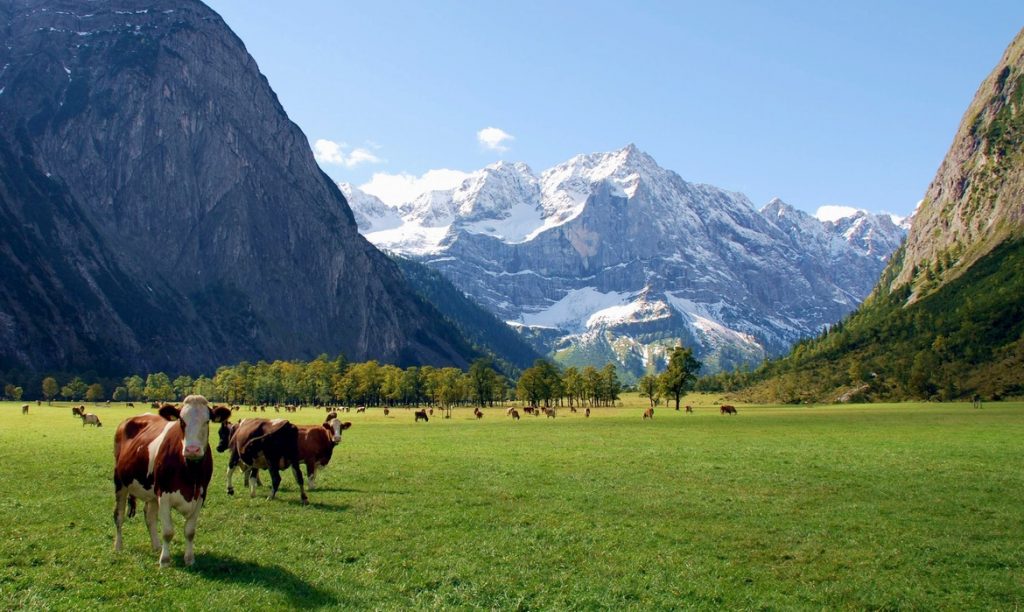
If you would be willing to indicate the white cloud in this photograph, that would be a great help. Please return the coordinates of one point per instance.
(330, 152)
(494, 138)
(396, 189)
(834, 212)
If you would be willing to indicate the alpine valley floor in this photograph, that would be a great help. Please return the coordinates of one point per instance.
(864, 506)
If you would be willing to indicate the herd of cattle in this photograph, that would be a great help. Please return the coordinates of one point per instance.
(164, 459)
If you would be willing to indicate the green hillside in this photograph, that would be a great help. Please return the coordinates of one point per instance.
(962, 339)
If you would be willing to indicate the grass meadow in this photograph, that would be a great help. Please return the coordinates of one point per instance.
(917, 506)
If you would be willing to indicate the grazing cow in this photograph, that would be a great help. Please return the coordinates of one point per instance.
(572, 409)
(317, 442)
(89, 418)
(386, 412)
(508, 411)
(360, 409)
(258, 444)
(549, 412)
(129, 405)
(528, 410)
(587, 413)
(165, 461)
(727, 409)
(76, 411)
(514, 413)
(478, 413)
(689, 408)
(421, 415)
(649, 413)
(24, 409)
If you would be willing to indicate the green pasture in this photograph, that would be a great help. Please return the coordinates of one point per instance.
(887, 506)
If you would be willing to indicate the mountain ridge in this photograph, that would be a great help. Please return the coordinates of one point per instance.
(601, 230)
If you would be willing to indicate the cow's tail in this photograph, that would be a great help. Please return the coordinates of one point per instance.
(131, 506)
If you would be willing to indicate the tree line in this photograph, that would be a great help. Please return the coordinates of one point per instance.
(327, 381)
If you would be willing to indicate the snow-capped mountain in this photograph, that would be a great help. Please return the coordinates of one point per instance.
(610, 256)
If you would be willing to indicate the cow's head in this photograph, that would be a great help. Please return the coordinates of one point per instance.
(335, 427)
(225, 432)
(194, 416)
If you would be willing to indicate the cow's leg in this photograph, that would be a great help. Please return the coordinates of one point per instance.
(120, 500)
(311, 470)
(167, 528)
(232, 466)
(275, 481)
(252, 478)
(150, 512)
(297, 470)
(190, 531)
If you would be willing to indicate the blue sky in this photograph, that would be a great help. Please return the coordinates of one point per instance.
(818, 103)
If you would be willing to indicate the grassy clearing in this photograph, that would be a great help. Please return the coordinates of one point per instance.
(876, 506)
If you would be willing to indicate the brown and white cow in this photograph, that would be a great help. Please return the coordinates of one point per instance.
(89, 418)
(514, 413)
(165, 461)
(259, 444)
(649, 413)
(316, 444)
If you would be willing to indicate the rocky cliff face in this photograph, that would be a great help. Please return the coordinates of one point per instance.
(170, 211)
(976, 200)
(610, 256)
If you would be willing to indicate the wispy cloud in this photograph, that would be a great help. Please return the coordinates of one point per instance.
(494, 139)
(396, 189)
(330, 152)
(834, 212)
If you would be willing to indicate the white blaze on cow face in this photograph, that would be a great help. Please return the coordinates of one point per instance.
(335, 430)
(195, 419)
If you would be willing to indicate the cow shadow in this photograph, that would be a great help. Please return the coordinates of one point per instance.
(319, 505)
(300, 593)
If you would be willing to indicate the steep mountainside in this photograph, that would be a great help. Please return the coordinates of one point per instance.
(610, 256)
(487, 333)
(946, 318)
(163, 212)
(976, 201)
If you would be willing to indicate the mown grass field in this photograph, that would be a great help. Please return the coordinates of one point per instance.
(878, 506)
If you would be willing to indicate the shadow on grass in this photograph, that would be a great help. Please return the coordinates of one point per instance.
(319, 505)
(300, 593)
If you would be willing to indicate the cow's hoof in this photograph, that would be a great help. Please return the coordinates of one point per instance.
(231, 490)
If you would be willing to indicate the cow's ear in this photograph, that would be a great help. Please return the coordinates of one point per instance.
(346, 425)
(220, 414)
(331, 415)
(169, 412)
